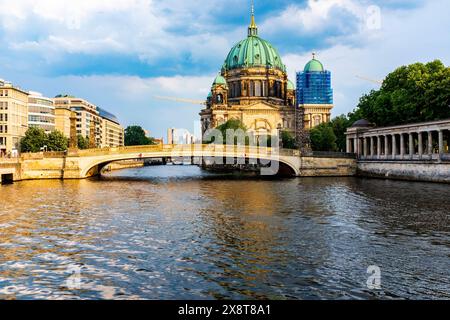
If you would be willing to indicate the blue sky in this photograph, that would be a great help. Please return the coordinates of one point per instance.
(119, 54)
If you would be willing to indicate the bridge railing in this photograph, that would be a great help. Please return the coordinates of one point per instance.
(42, 155)
(178, 149)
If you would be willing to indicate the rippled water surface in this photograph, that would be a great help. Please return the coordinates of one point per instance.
(179, 233)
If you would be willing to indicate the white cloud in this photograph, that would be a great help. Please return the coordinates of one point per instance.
(405, 38)
(315, 16)
(148, 30)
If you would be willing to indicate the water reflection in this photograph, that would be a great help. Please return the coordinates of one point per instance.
(177, 232)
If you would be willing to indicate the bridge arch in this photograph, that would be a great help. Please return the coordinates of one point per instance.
(91, 166)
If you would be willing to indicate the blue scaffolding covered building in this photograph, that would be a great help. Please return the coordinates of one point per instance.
(314, 93)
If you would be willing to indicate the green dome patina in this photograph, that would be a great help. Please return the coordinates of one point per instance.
(219, 80)
(314, 65)
(290, 85)
(253, 52)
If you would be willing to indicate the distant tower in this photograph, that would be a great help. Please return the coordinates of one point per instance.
(314, 93)
(170, 134)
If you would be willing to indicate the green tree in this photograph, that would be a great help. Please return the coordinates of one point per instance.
(34, 140)
(135, 136)
(288, 140)
(414, 93)
(231, 125)
(56, 141)
(340, 125)
(323, 138)
(83, 142)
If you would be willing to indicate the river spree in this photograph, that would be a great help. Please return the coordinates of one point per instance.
(177, 232)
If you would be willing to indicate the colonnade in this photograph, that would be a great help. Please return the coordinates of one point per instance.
(425, 143)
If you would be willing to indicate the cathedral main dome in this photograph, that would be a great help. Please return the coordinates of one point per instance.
(253, 52)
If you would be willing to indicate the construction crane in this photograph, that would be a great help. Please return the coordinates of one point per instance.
(191, 101)
(370, 80)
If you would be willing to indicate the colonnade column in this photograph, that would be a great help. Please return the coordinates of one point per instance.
(378, 147)
(411, 146)
(394, 146)
(402, 145)
(349, 145)
(420, 144)
(430, 143)
(360, 147)
(441, 142)
(365, 153)
(386, 146)
(372, 146)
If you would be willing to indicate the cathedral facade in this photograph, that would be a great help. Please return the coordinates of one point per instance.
(253, 87)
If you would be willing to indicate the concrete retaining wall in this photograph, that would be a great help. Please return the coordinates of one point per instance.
(327, 167)
(44, 168)
(413, 171)
(10, 167)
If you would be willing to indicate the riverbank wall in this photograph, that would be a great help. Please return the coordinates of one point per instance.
(9, 170)
(127, 164)
(406, 170)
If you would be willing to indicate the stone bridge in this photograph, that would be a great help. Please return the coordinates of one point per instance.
(80, 164)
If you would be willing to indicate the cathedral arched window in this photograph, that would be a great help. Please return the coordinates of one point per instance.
(219, 98)
(252, 89)
(258, 88)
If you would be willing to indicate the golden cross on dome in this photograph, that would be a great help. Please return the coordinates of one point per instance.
(253, 28)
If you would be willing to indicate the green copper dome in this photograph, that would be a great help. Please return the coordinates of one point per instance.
(253, 52)
(290, 85)
(314, 66)
(219, 80)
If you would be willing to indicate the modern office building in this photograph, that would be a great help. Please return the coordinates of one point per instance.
(98, 125)
(13, 117)
(41, 112)
(112, 131)
(62, 120)
(314, 93)
(89, 122)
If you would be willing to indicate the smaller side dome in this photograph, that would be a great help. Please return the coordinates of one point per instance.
(314, 65)
(219, 80)
(290, 85)
(209, 96)
(363, 123)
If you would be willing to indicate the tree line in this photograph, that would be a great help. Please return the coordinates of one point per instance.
(414, 93)
(36, 140)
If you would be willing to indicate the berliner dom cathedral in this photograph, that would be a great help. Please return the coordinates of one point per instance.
(252, 87)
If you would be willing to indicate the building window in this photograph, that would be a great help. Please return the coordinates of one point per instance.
(258, 92)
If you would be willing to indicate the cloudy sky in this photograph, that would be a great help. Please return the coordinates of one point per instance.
(120, 54)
